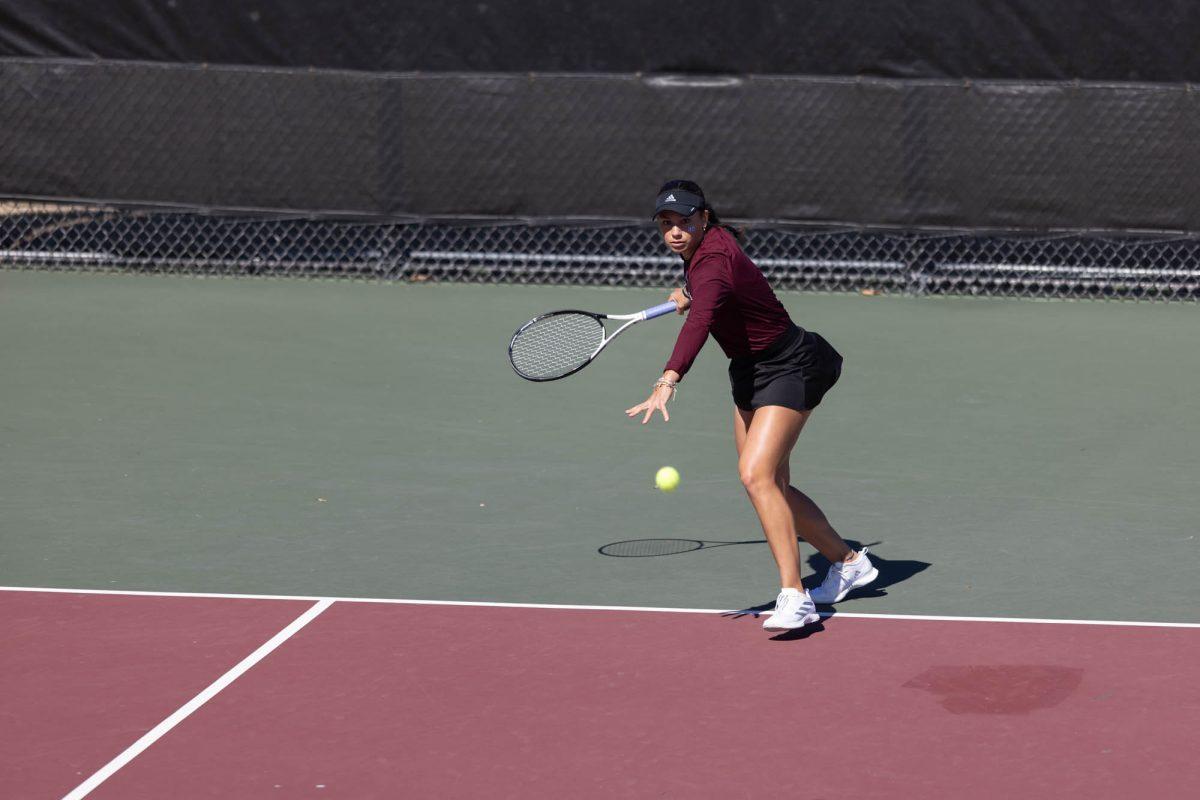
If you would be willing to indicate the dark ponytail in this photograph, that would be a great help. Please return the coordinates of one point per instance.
(713, 219)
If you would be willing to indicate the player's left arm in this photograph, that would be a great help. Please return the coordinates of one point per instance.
(711, 288)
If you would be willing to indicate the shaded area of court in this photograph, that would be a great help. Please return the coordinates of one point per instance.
(370, 440)
(374, 700)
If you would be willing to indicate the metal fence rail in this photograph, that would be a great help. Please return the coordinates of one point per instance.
(75, 237)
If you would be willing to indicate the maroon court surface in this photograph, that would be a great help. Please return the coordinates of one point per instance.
(83, 676)
(378, 700)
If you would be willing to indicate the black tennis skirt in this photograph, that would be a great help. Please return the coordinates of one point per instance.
(795, 371)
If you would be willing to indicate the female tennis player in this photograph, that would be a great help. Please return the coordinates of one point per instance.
(778, 371)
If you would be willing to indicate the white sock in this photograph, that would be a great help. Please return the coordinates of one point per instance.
(792, 592)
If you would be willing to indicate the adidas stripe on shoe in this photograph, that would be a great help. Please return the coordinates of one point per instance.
(843, 578)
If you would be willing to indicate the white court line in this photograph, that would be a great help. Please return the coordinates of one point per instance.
(569, 607)
(159, 730)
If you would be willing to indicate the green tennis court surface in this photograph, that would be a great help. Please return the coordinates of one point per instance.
(1010, 458)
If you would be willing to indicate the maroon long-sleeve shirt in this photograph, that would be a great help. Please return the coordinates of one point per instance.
(730, 299)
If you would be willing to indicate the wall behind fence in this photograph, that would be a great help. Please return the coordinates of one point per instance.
(1118, 40)
(867, 152)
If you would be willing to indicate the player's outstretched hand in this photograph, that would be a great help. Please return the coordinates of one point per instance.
(656, 402)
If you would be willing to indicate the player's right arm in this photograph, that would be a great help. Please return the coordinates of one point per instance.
(711, 288)
(681, 299)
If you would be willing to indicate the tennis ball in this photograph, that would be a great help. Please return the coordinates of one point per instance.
(667, 479)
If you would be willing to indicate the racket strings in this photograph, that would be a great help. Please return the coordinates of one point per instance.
(556, 345)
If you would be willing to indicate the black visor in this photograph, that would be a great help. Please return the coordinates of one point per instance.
(679, 201)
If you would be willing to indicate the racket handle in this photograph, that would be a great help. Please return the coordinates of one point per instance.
(668, 307)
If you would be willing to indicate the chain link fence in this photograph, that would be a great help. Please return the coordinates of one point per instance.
(86, 237)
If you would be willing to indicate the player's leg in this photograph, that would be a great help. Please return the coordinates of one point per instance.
(811, 523)
(848, 569)
(764, 438)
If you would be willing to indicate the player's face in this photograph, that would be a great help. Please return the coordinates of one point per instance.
(682, 234)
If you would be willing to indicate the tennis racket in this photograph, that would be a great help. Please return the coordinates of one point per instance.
(560, 343)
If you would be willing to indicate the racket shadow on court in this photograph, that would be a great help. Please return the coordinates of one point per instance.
(651, 548)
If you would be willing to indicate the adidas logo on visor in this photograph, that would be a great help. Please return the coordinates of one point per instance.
(670, 199)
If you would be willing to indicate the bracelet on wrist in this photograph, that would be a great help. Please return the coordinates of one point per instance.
(667, 383)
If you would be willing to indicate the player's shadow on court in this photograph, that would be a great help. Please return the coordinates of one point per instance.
(800, 634)
(891, 572)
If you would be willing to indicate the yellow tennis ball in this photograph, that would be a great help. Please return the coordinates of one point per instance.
(667, 479)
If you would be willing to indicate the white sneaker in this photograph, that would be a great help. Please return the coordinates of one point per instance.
(843, 577)
(793, 609)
